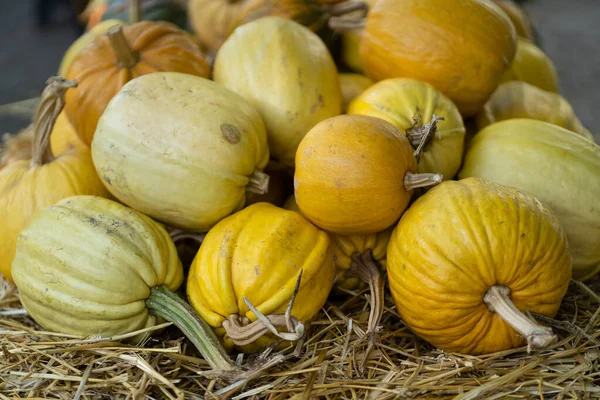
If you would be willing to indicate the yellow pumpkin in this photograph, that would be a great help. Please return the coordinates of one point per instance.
(518, 99)
(32, 184)
(461, 47)
(254, 257)
(180, 148)
(64, 137)
(89, 266)
(533, 66)
(351, 43)
(355, 175)
(16, 147)
(287, 73)
(352, 86)
(422, 113)
(518, 18)
(211, 20)
(554, 165)
(469, 258)
(85, 39)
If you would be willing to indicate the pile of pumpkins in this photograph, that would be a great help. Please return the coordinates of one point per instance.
(443, 159)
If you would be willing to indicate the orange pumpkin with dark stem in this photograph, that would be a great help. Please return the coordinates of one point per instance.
(126, 52)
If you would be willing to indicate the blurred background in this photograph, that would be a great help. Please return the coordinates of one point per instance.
(34, 34)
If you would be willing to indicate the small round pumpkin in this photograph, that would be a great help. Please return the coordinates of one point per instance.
(533, 66)
(211, 20)
(424, 115)
(181, 149)
(352, 86)
(105, 65)
(40, 181)
(518, 99)
(355, 174)
(461, 47)
(518, 18)
(468, 258)
(556, 166)
(253, 258)
(287, 73)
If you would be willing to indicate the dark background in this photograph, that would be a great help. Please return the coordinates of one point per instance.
(569, 32)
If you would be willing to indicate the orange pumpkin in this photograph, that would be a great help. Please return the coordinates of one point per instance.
(126, 52)
(461, 47)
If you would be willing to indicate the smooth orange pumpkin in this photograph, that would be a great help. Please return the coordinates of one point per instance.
(355, 174)
(104, 66)
(461, 47)
(533, 66)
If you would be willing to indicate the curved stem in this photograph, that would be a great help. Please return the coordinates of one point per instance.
(497, 299)
(419, 135)
(259, 182)
(340, 9)
(126, 56)
(167, 305)
(178, 235)
(341, 24)
(51, 105)
(413, 180)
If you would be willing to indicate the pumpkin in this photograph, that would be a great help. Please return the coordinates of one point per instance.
(287, 73)
(469, 258)
(85, 39)
(461, 47)
(351, 43)
(250, 263)
(150, 10)
(355, 175)
(280, 184)
(94, 11)
(211, 20)
(118, 282)
(554, 165)
(126, 52)
(423, 114)
(40, 181)
(533, 66)
(352, 85)
(518, 99)
(207, 147)
(518, 18)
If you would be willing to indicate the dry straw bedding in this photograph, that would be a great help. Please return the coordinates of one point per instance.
(39, 364)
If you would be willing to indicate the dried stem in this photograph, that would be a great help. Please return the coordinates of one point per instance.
(178, 235)
(341, 9)
(341, 24)
(413, 180)
(419, 135)
(51, 105)
(497, 299)
(258, 182)
(135, 11)
(126, 56)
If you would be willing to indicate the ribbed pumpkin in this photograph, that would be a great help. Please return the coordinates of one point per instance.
(533, 66)
(254, 257)
(89, 266)
(211, 20)
(469, 258)
(424, 115)
(182, 149)
(352, 86)
(557, 167)
(31, 184)
(287, 73)
(85, 39)
(104, 66)
(518, 18)
(355, 175)
(461, 47)
(518, 99)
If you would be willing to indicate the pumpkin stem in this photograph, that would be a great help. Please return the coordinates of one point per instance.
(135, 11)
(497, 299)
(259, 182)
(413, 180)
(366, 269)
(419, 135)
(178, 235)
(167, 305)
(341, 24)
(126, 56)
(242, 332)
(340, 9)
(51, 105)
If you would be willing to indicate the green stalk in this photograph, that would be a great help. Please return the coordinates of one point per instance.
(167, 305)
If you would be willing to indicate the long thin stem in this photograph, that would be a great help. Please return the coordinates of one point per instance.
(497, 299)
(167, 305)
(413, 180)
